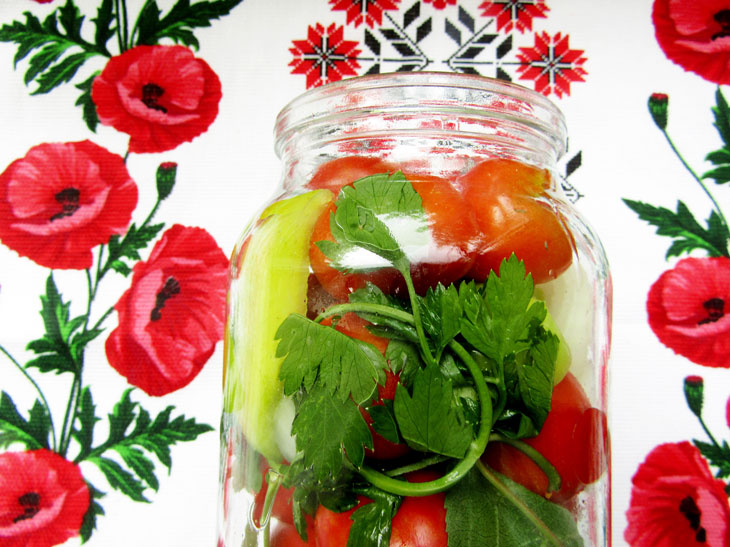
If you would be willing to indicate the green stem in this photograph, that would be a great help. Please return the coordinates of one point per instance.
(415, 307)
(135, 28)
(37, 388)
(274, 481)
(476, 448)
(125, 20)
(416, 466)
(120, 26)
(70, 414)
(366, 307)
(488, 474)
(696, 177)
(554, 480)
(708, 433)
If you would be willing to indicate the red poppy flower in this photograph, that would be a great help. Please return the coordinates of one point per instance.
(675, 500)
(695, 35)
(61, 200)
(161, 96)
(43, 499)
(42, 1)
(686, 309)
(513, 14)
(370, 11)
(171, 317)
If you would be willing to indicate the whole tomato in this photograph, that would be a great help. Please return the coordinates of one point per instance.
(503, 194)
(335, 174)
(447, 257)
(574, 438)
(419, 522)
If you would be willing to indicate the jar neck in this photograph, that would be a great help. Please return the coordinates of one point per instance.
(449, 120)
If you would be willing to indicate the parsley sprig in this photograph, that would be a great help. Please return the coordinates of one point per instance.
(474, 362)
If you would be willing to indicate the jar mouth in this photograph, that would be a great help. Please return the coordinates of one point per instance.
(412, 103)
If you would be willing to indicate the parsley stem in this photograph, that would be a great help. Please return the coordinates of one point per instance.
(554, 480)
(476, 448)
(366, 307)
(415, 307)
(274, 481)
(488, 474)
(416, 466)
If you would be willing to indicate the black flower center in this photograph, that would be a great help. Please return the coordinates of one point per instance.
(69, 200)
(715, 308)
(31, 504)
(151, 94)
(722, 17)
(169, 289)
(692, 513)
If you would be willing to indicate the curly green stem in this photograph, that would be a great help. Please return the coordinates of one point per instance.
(37, 388)
(474, 452)
(415, 307)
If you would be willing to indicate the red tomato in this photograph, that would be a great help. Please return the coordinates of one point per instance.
(340, 172)
(574, 439)
(455, 237)
(286, 535)
(503, 194)
(419, 522)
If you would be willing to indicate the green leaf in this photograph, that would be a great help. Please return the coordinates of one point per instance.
(120, 479)
(371, 522)
(128, 247)
(326, 429)
(54, 347)
(95, 510)
(33, 432)
(478, 514)
(372, 214)
(682, 226)
(180, 21)
(86, 418)
(721, 113)
(54, 61)
(385, 327)
(427, 419)
(441, 315)
(384, 421)
(497, 322)
(535, 376)
(87, 105)
(404, 359)
(720, 174)
(312, 352)
(103, 24)
(717, 456)
(138, 462)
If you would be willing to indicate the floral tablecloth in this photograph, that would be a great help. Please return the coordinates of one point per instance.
(137, 144)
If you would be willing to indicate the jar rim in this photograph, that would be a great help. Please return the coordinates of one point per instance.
(475, 96)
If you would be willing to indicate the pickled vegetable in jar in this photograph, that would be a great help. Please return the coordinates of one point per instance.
(417, 328)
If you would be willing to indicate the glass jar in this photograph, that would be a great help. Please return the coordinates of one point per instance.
(418, 328)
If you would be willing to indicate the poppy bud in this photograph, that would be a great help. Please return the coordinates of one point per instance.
(166, 174)
(694, 393)
(658, 106)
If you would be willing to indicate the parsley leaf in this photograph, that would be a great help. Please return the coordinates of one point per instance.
(681, 225)
(535, 377)
(441, 314)
(370, 215)
(371, 522)
(315, 353)
(326, 429)
(427, 419)
(498, 322)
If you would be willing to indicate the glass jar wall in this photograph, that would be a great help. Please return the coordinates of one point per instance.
(418, 328)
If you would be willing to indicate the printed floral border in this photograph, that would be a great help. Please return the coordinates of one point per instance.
(680, 491)
(69, 206)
